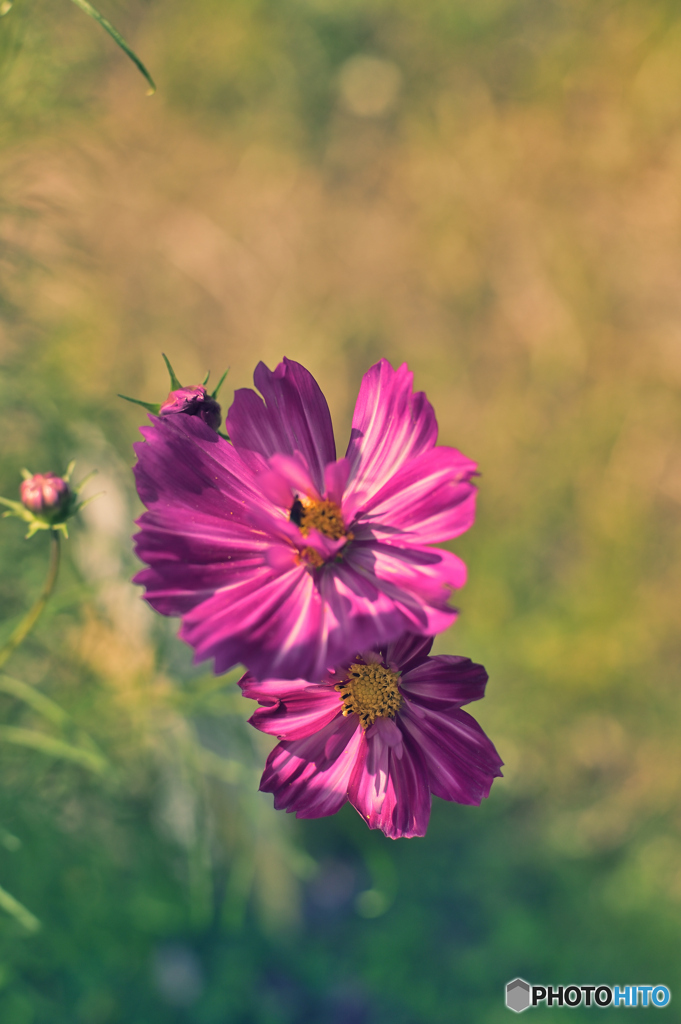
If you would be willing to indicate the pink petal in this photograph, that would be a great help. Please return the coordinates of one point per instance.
(335, 478)
(293, 417)
(292, 709)
(389, 787)
(390, 426)
(428, 574)
(431, 497)
(275, 624)
(293, 470)
(310, 776)
(324, 546)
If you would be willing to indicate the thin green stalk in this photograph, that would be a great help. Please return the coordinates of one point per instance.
(30, 619)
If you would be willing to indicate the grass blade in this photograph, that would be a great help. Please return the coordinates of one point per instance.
(53, 747)
(37, 700)
(18, 911)
(118, 38)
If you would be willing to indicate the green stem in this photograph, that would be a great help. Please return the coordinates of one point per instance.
(30, 619)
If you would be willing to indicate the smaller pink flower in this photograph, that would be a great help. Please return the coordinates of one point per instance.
(44, 493)
(384, 731)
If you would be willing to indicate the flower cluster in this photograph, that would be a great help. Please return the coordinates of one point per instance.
(322, 576)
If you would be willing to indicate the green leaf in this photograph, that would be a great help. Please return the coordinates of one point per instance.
(118, 38)
(174, 382)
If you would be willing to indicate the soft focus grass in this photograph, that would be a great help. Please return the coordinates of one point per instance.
(506, 218)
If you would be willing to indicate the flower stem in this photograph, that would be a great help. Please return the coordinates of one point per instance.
(31, 617)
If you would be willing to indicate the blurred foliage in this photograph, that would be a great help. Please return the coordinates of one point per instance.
(490, 191)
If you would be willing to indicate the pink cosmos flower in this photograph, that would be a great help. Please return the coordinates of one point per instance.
(283, 558)
(383, 731)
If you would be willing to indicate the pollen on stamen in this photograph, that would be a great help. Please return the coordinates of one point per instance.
(324, 516)
(371, 692)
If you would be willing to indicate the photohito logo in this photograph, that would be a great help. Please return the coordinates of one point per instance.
(520, 995)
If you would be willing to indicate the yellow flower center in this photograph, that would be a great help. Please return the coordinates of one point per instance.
(371, 692)
(324, 516)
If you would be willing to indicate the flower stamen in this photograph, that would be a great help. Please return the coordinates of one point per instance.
(371, 692)
(323, 515)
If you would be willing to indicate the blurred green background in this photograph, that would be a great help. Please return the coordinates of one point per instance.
(491, 191)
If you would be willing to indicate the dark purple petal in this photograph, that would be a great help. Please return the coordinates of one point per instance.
(389, 786)
(185, 469)
(310, 776)
(390, 425)
(293, 417)
(291, 710)
(445, 681)
(431, 496)
(462, 762)
(408, 651)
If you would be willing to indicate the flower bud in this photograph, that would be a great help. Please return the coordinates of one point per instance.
(193, 401)
(45, 493)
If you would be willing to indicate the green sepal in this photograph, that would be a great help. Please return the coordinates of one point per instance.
(154, 407)
(219, 384)
(174, 382)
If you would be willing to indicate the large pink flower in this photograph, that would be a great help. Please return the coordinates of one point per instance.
(383, 731)
(281, 557)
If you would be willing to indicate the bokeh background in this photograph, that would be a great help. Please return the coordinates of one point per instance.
(492, 192)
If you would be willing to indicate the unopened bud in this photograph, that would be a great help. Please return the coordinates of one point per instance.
(47, 501)
(45, 493)
(193, 401)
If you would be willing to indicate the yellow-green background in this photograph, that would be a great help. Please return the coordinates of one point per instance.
(499, 204)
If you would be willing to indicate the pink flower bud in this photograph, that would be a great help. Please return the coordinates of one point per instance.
(193, 402)
(45, 493)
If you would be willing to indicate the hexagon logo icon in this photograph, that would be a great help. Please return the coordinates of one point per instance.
(517, 995)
